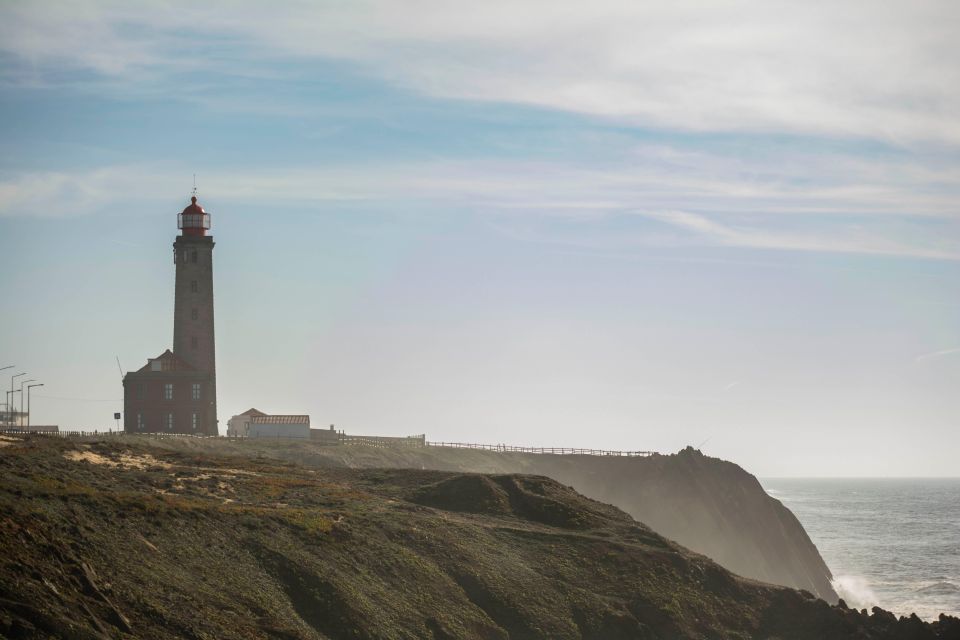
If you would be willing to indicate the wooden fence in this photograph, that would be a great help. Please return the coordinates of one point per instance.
(385, 441)
(96, 433)
(558, 451)
(418, 441)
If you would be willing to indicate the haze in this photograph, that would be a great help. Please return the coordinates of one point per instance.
(733, 226)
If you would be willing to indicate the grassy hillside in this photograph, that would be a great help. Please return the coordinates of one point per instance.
(706, 504)
(125, 538)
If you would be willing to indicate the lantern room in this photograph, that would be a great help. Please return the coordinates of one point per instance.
(193, 221)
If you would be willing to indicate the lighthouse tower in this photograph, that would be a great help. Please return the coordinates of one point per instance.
(193, 290)
(176, 392)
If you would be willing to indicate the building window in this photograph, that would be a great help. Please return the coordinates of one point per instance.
(196, 390)
(193, 342)
(193, 256)
(139, 392)
(168, 391)
(196, 421)
(194, 313)
(169, 422)
(139, 422)
(194, 287)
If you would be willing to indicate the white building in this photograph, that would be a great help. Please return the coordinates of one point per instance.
(257, 424)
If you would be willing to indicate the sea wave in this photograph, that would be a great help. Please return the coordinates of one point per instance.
(939, 588)
(855, 591)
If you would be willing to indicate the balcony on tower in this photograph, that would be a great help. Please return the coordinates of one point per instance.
(193, 220)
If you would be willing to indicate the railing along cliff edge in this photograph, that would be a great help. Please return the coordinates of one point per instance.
(418, 441)
(559, 451)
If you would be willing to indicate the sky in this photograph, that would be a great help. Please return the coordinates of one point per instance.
(619, 225)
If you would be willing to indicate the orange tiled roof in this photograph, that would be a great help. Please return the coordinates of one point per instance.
(264, 419)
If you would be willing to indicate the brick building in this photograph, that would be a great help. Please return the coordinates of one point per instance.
(176, 392)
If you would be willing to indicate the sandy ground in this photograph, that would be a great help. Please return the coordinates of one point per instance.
(128, 461)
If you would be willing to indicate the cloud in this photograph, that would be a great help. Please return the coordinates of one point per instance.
(67, 193)
(533, 201)
(937, 354)
(886, 71)
(826, 238)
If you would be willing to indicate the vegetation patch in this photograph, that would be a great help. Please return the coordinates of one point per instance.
(130, 538)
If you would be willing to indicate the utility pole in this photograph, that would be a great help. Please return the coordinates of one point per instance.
(10, 406)
(8, 411)
(23, 382)
(7, 405)
(30, 386)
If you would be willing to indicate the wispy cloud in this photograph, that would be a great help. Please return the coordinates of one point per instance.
(937, 354)
(826, 238)
(539, 201)
(68, 193)
(856, 68)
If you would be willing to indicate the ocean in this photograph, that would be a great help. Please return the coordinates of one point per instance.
(888, 542)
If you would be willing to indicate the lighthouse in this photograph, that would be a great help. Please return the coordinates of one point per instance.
(193, 289)
(176, 392)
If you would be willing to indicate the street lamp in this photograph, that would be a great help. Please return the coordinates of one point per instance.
(30, 386)
(23, 382)
(10, 406)
(7, 405)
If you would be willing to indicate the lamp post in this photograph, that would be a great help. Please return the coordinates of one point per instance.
(6, 406)
(14, 418)
(30, 386)
(10, 406)
(23, 382)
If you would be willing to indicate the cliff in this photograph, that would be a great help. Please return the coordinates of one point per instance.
(124, 538)
(709, 505)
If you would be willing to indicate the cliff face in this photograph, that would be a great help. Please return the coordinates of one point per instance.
(124, 538)
(709, 505)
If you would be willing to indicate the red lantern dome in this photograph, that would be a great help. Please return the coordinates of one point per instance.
(193, 221)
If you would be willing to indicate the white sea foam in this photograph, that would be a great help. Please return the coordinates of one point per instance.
(855, 591)
(891, 542)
